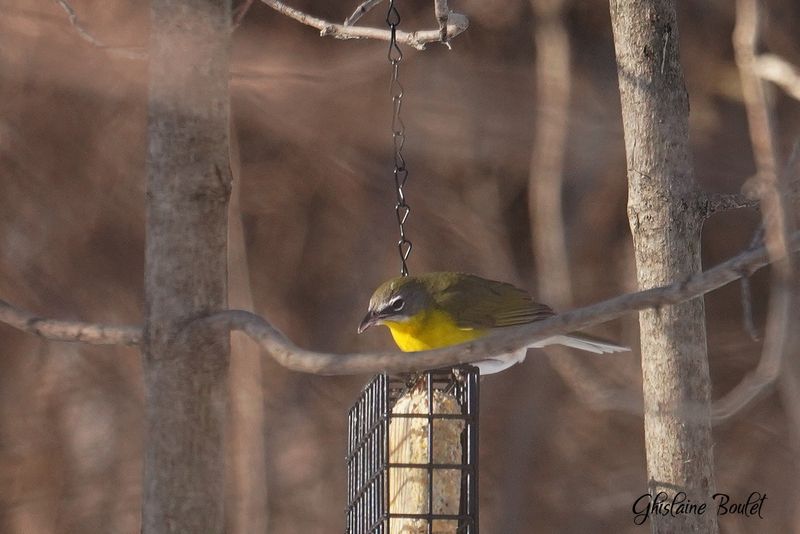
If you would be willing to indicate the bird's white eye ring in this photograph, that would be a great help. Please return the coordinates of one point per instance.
(397, 304)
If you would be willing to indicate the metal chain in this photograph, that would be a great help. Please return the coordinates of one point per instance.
(401, 208)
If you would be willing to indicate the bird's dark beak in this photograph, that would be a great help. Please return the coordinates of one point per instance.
(370, 319)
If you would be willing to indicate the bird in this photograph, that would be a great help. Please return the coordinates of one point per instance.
(440, 309)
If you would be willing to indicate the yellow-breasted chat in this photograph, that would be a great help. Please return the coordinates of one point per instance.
(435, 310)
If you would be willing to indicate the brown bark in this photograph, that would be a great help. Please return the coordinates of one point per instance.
(666, 221)
(185, 265)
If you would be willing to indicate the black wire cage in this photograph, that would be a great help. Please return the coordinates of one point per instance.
(412, 459)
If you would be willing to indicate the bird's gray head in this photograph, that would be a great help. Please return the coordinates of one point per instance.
(397, 300)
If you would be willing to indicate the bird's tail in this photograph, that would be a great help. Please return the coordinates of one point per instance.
(583, 342)
(575, 340)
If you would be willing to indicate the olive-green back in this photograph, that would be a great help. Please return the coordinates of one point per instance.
(476, 302)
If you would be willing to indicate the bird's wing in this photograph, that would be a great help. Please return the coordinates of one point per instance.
(479, 303)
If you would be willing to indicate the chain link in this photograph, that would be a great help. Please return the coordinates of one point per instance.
(401, 208)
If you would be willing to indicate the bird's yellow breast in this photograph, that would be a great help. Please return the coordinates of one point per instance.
(430, 330)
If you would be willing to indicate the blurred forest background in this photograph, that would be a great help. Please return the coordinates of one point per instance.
(562, 446)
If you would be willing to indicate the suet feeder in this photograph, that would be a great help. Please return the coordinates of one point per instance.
(412, 464)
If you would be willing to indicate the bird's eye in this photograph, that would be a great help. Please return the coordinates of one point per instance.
(397, 304)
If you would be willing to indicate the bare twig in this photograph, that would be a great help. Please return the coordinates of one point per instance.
(240, 12)
(86, 35)
(717, 202)
(362, 9)
(720, 202)
(456, 25)
(56, 330)
(773, 68)
(749, 198)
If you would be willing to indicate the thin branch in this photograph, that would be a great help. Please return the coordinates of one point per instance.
(86, 35)
(773, 68)
(456, 25)
(504, 341)
(718, 202)
(240, 12)
(56, 330)
(507, 340)
(362, 9)
(452, 25)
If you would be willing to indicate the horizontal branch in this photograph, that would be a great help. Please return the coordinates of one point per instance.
(456, 24)
(57, 330)
(503, 341)
(718, 202)
(499, 342)
(362, 9)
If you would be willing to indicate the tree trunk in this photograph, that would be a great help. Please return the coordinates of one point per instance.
(185, 265)
(666, 221)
